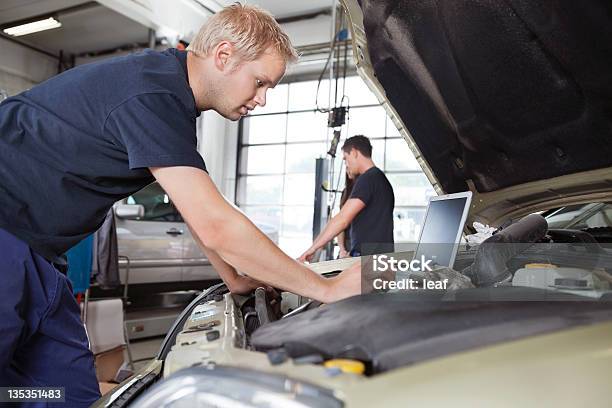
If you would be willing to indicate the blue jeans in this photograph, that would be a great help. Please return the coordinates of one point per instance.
(42, 339)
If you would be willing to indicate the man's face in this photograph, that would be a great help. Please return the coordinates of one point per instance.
(245, 85)
(350, 159)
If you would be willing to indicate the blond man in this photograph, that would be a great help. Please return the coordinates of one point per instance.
(72, 146)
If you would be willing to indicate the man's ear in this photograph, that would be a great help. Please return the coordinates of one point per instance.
(224, 51)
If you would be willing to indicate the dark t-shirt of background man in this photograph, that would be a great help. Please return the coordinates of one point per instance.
(77, 143)
(372, 228)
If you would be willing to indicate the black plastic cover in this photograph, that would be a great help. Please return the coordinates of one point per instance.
(396, 329)
(501, 92)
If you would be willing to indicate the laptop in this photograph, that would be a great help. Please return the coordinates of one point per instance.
(442, 228)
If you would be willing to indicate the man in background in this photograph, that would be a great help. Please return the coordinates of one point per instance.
(368, 210)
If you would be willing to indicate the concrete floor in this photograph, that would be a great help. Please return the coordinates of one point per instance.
(143, 350)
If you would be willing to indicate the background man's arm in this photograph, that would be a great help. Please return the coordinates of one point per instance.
(341, 237)
(338, 223)
(224, 229)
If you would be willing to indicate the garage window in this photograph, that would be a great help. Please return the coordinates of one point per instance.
(277, 151)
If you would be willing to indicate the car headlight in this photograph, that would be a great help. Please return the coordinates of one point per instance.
(214, 386)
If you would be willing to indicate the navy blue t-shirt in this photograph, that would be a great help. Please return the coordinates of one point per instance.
(372, 228)
(75, 144)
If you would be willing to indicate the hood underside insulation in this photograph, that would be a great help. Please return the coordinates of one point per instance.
(500, 92)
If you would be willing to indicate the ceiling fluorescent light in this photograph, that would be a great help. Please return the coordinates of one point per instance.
(33, 27)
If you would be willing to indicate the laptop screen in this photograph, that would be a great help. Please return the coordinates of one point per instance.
(442, 228)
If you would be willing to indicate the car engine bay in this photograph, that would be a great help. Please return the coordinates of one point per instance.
(384, 331)
(526, 280)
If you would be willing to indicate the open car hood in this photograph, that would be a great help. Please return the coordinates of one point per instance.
(511, 99)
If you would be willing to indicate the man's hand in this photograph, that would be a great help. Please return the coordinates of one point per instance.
(337, 224)
(307, 256)
(345, 284)
(343, 253)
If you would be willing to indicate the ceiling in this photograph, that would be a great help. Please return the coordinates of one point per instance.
(88, 26)
(13, 10)
(287, 8)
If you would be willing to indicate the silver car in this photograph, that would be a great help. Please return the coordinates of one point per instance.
(154, 237)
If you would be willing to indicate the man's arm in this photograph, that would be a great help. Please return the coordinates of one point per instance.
(235, 282)
(224, 229)
(339, 223)
(341, 237)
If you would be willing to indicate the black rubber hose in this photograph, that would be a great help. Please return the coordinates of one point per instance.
(490, 264)
(261, 306)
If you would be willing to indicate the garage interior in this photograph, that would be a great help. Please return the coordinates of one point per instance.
(277, 196)
(282, 165)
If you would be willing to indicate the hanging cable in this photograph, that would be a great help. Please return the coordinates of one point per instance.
(344, 95)
(332, 44)
(319, 85)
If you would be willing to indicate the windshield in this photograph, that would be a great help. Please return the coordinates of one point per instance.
(566, 216)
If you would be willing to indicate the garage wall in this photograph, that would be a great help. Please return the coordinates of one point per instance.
(22, 68)
(218, 144)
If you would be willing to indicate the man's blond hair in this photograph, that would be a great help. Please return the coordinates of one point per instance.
(250, 29)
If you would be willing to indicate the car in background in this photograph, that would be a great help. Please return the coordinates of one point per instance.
(592, 218)
(160, 248)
